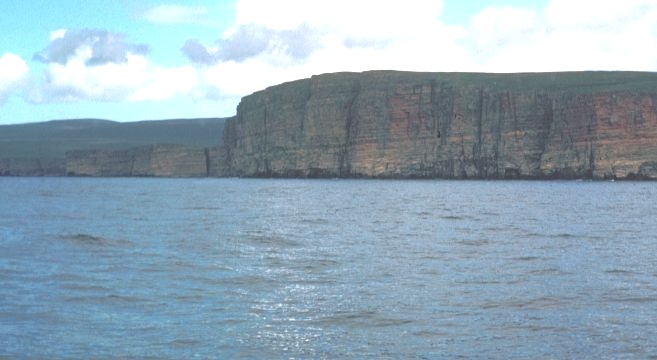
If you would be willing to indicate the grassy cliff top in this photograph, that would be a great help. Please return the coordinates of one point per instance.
(53, 138)
(576, 81)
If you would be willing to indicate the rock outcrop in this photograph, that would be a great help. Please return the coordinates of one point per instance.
(447, 125)
(154, 160)
(38, 149)
(217, 164)
(32, 167)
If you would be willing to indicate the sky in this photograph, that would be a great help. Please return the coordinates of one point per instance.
(126, 60)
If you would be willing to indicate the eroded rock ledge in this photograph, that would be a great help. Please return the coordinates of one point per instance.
(32, 167)
(448, 125)
(159, 160)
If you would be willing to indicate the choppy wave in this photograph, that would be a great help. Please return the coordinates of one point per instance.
(88, 240)
(326, 269)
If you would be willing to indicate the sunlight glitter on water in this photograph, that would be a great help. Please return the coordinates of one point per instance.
(236, 268)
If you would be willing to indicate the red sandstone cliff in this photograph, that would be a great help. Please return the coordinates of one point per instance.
(448, 125)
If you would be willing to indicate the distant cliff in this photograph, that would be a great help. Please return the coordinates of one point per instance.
(152, 160)
(32, 167)
(448, 125)
(93, 147)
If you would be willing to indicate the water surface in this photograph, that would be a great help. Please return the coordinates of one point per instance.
(235, 268)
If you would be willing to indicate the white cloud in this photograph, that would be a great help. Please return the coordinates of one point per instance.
(13, 71)
(494, 28)
(134, 79)
(100, 65)
(176, 14)
(605, 14)
(567, 36)
(164, 83)
(364, 18)
(58, 34)
(105, 46)
(271, 42)
(297, 39)
(304, 38)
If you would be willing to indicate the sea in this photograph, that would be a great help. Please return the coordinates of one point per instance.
(139, 268)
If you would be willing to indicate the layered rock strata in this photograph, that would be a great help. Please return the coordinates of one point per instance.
(447, 125)
(32, 167)
(154, 160)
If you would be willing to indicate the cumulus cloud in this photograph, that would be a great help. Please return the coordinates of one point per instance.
(567, 36)
(494, 28)
(246, 41)
(13, 71)
(300, 28)
(105, 46)
(272, 42)
(600, 15)
(134, 80)
(198, 53)
(176, 14)
(100, 65)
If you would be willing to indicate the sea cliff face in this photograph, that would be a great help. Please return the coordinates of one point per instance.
(388, 124)
(32, 167)
(448, 125)
(153, 160)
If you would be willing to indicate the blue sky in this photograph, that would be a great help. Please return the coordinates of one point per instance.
(127, 60)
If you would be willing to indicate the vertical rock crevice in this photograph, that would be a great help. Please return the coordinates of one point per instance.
(396, 124)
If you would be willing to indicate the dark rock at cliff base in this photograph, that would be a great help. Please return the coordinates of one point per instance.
(448, 125)
(648, 170)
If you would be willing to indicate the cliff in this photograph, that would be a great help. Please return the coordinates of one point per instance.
(387, 124)
(39, 149)
(32, 167)
(153, 160)
(448, 125)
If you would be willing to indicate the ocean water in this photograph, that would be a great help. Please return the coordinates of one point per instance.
(282, 269)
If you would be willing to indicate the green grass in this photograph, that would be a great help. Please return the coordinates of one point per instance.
(576, 81)
(53, 138)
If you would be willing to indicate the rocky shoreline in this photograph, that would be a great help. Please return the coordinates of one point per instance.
(400, 125)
